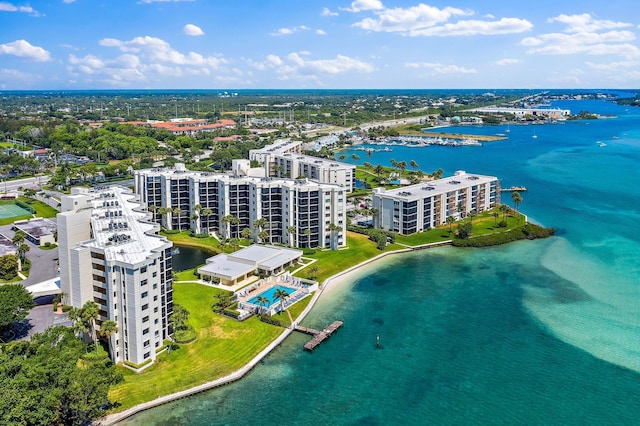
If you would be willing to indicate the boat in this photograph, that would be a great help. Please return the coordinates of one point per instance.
(600, 143)
(508, 130)
(534, 135)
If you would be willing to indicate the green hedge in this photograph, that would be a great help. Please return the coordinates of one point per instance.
(529, 231)
(25, 206)
(272, 320)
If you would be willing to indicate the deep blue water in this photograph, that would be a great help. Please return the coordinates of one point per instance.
(537, 333)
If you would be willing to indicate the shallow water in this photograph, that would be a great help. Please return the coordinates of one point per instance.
(534, 332)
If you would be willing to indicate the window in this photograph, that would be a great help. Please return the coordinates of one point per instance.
(145, 331)
(143, 282)
(144, 294)
(145, 306)
(155, 274)
(146, 344)
(143, 270)
(145, 319)
(146, 355)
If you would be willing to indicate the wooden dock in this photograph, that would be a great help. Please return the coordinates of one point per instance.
(318, 335)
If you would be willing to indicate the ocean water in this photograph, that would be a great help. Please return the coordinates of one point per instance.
(542, 332)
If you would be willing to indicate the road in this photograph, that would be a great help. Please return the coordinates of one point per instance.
(15, 185)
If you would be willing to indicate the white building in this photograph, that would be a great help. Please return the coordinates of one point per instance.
(110, 253)
(296, 212)
(231, 269)
(422, 206)
(284, 159)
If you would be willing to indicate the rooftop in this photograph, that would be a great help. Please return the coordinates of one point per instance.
(37, 227)
(453, 183)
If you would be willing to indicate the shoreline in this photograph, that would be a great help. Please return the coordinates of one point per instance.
(332, 281)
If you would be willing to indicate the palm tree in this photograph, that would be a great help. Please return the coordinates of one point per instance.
(354, 157)
(292, 231)
(206, 212)
(235, 222)
(280, 294)
(246, 233)
(263, 301)
(472, 213)
(22, 250)
(413, 164)
(450, 221)
(307, 232)
(517, 199)
(379, 170)
(153, 209)
(373, 212)
(402, 165)
(495, 218)
(108, 329)
(226, 220)
(259, 224)
(89, 314)
(333, 228)
(19, 237)
(178, 212)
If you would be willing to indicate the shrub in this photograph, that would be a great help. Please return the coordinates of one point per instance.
(308, 251)
(66, 308)
(271, 320)
(186, 335)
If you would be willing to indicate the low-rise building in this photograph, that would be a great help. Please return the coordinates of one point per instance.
(232, 269)
(38, 231)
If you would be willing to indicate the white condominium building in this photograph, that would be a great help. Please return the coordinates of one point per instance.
(426, 205)
(296, 212)
(284, 159)
(110, 253)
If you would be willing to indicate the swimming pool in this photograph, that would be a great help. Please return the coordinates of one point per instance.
(269, 294)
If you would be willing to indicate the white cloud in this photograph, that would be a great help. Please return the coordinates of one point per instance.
(68, 1)
(584, 35)
(507, 61)
(289, 31)
(298, 66)
(361, 5)
(606, 43)
(24, 49)
(475, 27)
(145, 60)
(410, 19)
(192, 30)
(8, 7)
(157, 49)
(585, 23)
(327, 12)
(321, 32)
(440, 69)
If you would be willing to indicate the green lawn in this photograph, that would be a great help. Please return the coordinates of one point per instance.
(184, 239)
(42, 209)
(223, 346)
(330, 262)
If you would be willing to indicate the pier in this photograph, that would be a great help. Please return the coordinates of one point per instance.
(319, 336)
(514, 189)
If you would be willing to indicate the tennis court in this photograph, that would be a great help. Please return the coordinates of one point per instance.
(9, 209)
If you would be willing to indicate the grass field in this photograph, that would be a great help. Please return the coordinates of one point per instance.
(223, 346)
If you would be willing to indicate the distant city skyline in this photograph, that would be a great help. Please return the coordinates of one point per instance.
(285, 44)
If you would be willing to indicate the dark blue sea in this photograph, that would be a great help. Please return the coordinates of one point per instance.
(536, 333)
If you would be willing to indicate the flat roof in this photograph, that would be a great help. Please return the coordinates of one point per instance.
(248, 259)
(6, 246)
(426, 189)
(37, 227)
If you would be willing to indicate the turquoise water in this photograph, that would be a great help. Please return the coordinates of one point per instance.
(270, 293)
(536, 333)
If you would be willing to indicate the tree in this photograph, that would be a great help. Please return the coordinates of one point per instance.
(379, 170)
(246, 233)
(50, 382)
(15, 303)
(472, 213)
(333, 228)
(108, 329)
(495, 215)
(312, 272)
(402, 165)
(226, 220)
(89, 314)
(413, 164)
(355, 157)
(22, 250)
(307, 233)
(517, 199)
(450, 221)
(19, 237)
(282, 295)
(178, 211)
(291, 230)
(8, 266)
(153, 209)
(259, 224)
(263, 301)
(206, 212)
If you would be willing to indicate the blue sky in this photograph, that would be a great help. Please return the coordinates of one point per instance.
(215, 44)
